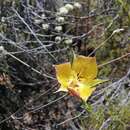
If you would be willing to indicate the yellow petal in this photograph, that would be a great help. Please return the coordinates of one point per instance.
(85, 67)
(84, 89)
(85, 92)
(94, 82)
(63, 74)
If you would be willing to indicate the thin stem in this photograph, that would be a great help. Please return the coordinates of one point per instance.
(29, 66)
(111, 61)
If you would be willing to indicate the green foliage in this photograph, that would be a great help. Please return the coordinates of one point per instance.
(125, 4)
(111, 117)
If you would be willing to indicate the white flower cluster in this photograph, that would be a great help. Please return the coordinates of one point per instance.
(1, 48)
(2, 19)
(77, 5)
(63, 11)
(58, 39)
(45, 26)
(43, 16)
(60, 19)
(68, 41)
(69, 7)
(58, 28)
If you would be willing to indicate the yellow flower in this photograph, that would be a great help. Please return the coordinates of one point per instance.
(78, 78)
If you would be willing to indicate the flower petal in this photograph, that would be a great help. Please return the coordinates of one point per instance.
(63, 74)
(85, 67)
(95, 82)
(86, 89)
(83, 91)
